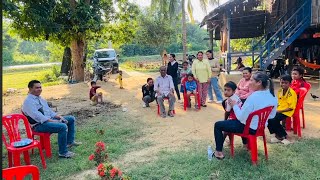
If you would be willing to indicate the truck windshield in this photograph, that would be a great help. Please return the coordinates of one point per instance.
(105, 54)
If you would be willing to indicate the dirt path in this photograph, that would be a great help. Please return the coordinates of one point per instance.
(170, 133)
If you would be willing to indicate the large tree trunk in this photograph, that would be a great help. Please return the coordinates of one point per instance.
(184, 31)
(77, 53)
(66, 61)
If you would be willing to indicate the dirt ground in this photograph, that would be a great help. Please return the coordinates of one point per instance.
(169, 133)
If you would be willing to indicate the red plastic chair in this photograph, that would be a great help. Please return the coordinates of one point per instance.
(44, 141)
(11, 124)
(296, 114)
(174, 112)
(185, 96)
(308, 87)
(19, 172)
(263, 115)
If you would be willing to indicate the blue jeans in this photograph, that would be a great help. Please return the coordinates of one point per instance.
(214, 84)
(65, 132)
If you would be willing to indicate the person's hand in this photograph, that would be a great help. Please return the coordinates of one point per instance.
(63, 120)
(208, 81)
(232, 102)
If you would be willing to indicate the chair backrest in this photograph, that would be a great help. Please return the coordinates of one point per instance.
(11, 124)
(302, 94)
(184, 84)
(263, 115)
(19, 172)
(307, 86)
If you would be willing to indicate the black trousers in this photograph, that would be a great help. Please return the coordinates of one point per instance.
(175, 83)
(275, 127)
(233, 126)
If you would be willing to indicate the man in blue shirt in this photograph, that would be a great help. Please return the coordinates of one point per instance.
(43, 119)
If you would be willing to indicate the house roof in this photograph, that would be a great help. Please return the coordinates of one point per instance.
(247, 19)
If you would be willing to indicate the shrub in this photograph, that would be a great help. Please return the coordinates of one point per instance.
(106, 170)
(51, 75)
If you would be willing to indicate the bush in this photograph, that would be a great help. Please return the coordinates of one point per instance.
(51, 76)
(27, 59)
(7, 56)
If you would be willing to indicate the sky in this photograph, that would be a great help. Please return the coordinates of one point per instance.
(198, 13)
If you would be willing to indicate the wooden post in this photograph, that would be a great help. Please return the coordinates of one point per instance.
(210, 28)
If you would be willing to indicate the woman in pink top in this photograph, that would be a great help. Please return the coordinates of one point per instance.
(243, 90)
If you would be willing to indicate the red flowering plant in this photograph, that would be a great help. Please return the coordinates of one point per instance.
(100, 155)
(105, 170)
(108, 172)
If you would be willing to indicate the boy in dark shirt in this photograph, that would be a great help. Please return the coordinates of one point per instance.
(148, 94)
(94, 96)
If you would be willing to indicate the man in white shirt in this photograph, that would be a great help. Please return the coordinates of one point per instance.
(164, 88)
(43, 119)
(215, 69)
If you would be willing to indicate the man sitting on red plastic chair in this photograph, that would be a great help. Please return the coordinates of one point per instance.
(164, 88)
(287, 101)
(42, 119)
(191, 88)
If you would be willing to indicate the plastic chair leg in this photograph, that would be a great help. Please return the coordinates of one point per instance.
(298, 126)
(265, 147)
(10, 159)
(303, 122)
(42, 157)
(47, 145)
(16, 159)
(294, 122)
(254, 149)
(26, 157)
(231, 139)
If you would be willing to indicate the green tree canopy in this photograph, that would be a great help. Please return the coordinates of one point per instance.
(68, 22)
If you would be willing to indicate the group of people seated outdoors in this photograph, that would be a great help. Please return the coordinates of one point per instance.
(253, 92)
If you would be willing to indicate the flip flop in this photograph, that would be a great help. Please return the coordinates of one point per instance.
(219, 158)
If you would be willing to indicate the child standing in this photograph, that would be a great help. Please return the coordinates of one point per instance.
(120, 79)
(183, 74)
(191, 88)
(287, 101)
(94, 96)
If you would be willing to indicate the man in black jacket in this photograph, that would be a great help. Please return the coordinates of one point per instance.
(148, 94)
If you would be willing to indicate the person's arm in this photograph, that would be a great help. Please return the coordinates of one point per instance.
(187, 85)
(209, 70)
(171, 85)
(243, 113)
(30, 110)
(195, 85)
(292, 101)
(156, 86)
(194, 71)
(216, 66)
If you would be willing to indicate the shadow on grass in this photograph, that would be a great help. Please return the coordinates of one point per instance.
(119, 134)
(297, 161)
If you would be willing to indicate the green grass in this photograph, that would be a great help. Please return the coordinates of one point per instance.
(298, 161)
(19, 78)
(120, 135)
